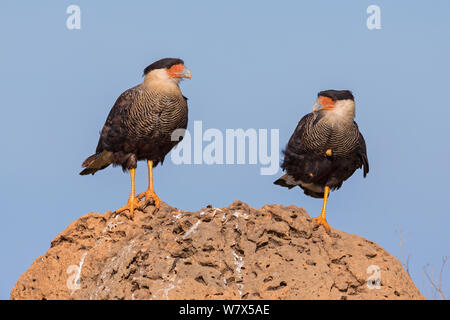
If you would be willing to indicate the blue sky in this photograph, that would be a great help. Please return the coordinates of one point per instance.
(257, 64)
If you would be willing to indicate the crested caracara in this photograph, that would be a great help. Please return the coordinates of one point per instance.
(140, 124)
(325, 149)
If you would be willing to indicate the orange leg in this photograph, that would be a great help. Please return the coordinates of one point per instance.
(150, 193)
(321, 220)
(133, 202)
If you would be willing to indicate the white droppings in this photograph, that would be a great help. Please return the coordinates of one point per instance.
(239, 263)
(165, 291)
(238, 214)
(240, 288)
(115, 263)
(215, 211)
(111, 225)
(178, 216)
(192, 229)
(73, 283)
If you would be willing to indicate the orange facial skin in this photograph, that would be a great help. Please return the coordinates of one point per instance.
(179, 71)
(327, 103)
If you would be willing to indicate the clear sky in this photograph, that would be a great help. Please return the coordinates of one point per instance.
(255, 64)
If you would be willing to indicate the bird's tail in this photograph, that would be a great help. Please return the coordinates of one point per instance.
(289, 182)
(286, 181)
(96, 162)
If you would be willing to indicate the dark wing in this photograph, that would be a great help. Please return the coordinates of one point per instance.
(295, 141)
(300, 156)
(303, 166)
(296, 147)
(114, 131)
(362, 152)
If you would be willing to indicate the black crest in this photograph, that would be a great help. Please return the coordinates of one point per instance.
(163, 63)
(336, 94)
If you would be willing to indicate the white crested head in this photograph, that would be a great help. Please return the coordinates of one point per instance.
(167, 71)
(336, 105)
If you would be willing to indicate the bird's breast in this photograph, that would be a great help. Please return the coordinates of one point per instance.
(338, 138)
(157, 113)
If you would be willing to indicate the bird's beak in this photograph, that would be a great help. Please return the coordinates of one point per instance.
(317, 106)
(186, 73)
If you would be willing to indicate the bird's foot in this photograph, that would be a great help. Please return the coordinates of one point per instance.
(322, 221)
(133, 203)
(150, 195)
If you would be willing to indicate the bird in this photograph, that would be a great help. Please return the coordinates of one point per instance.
(325, 149)
(140, 126)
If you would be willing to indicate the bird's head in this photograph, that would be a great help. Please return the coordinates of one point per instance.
(167, 70)
(336, 102)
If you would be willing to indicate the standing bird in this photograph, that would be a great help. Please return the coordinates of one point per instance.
(325, 149)
(140, 124)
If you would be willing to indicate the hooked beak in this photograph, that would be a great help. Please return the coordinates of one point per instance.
(317, 106)
(186, 73)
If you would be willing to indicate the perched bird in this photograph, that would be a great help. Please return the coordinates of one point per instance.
(140, 124)
(325, 149)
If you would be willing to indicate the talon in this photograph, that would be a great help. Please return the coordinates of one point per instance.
(322, 221)
(150, 195)
(133, 203)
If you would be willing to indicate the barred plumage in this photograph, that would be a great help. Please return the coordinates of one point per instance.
(325, 149)
(140, 126)
(305, 158)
